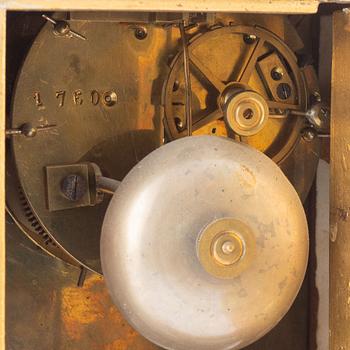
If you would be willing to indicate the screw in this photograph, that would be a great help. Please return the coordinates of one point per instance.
(74, 187)
(248, 114)
(308, 134)
(249, 38)
(25, 129)
(28, 130)
(176, 85)
(316, 96)
(179, 123)
(284, 91)
(140, 33)
(277, 73)
(110, 98)
(61, 28)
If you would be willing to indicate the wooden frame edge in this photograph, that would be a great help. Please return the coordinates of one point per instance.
(2, 173)
(257, 6)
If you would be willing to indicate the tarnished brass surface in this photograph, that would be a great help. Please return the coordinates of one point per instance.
(46, 310)
(71, 96)
(221, 57)
(221, 53)
(117, 134)
(18, 208)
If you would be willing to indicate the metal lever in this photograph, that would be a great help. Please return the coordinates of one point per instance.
(317, 115)
(62, 28)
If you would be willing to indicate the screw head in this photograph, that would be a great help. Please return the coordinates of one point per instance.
(308, 134)
(248, 114)
(74, 187)
(179, 123)
(277, 73)
(315, 96)
(140, 33)
(61, 28)
(110, 98)
(28, 130)
(249, 38)
(176, 86)
(284, 91)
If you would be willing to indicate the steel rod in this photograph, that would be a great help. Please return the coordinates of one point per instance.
(188, 97)
(107, 185)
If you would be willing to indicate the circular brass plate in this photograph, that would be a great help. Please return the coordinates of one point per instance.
(246, 113)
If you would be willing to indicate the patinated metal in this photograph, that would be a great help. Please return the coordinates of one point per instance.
(102, 115)
(113, 125)
(20, 211)
(67, 186)
(228, 59)
(45, 308)
(223, 61)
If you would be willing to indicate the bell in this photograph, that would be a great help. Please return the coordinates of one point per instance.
(204, 245)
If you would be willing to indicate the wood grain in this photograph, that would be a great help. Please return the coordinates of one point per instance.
(2, 176)
(262, 6)
(340, 188)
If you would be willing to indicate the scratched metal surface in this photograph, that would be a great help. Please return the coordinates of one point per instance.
(46, 310)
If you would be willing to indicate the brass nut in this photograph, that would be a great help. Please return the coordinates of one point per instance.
(226, 247)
